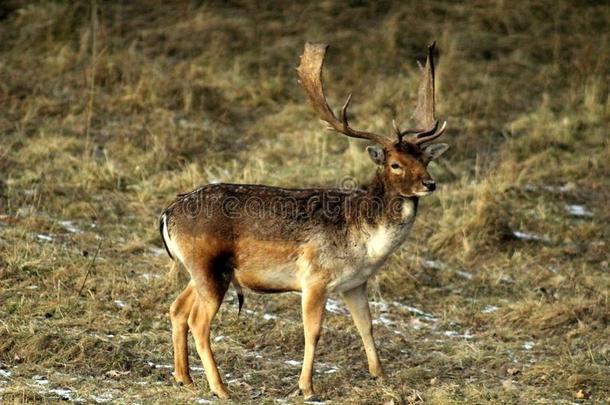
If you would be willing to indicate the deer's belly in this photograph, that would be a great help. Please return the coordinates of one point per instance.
(267, 266)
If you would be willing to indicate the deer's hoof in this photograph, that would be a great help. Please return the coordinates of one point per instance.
(181, 382)
(312, 399)
(381, 377)
(222, 393)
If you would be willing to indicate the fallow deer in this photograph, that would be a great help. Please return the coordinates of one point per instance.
(316, 241)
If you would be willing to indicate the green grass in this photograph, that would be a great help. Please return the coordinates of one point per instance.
(175, 96)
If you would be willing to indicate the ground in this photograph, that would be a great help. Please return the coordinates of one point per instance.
(109, 109)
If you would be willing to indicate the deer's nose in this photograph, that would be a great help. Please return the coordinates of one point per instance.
(430, 185)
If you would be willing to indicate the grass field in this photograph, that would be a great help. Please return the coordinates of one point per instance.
(107, 111)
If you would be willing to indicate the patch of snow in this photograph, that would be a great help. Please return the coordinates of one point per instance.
(530, 237)
(416, 311)
(454, 334)
(293, 363)
(464, 274)
(43, 237)
(69, 226)
(153, 365)
(386, 321)
(529, 345)
(489, 309)
(5, 373)
(553, 189)
(64, 393)
(219, 338)
(567, 187)
(120, 303)
(40, 380)
(578, 211)
(102, 398)
(203, 401)
(117, 373)
(335, 307)
(383, 307)
(326, 368)
(433, 264)
(269, 317)
(149, 276)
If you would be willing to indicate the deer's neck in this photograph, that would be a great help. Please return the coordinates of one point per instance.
(391, 209)
(383, 221)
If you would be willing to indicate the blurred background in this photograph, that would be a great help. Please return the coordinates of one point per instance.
(108, 109)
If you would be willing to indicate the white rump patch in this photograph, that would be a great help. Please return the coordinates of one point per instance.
(171, 244)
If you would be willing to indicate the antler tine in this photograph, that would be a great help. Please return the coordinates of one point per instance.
(431, 135)
(417, 133)
(344, 111)
(396, 129)
(310, 79)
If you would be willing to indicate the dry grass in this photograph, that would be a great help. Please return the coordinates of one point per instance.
(173, 96)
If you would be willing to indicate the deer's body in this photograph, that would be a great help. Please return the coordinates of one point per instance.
(271, 239)
(316, 241)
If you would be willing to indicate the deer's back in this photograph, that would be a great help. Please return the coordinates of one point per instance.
(234, 211)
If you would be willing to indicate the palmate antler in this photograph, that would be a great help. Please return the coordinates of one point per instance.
(310, 78)
(424, 112)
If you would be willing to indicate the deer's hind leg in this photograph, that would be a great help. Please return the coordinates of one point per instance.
(211, 281)
(179, 313)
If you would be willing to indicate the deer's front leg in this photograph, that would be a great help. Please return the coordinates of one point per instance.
(358, 305)
(313, 303)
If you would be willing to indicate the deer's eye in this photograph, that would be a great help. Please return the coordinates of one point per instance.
(395, 166)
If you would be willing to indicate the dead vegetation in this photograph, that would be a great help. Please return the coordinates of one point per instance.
(500, 295)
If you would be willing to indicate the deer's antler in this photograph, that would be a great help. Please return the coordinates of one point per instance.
(310, 79)
(424, 112)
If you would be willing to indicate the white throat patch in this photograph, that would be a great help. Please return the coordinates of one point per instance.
(386, 237)
(408, 210)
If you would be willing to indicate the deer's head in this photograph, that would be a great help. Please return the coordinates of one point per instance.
(403, 162)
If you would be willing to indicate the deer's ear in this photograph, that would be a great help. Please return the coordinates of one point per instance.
(376, 153)
(435, 150)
